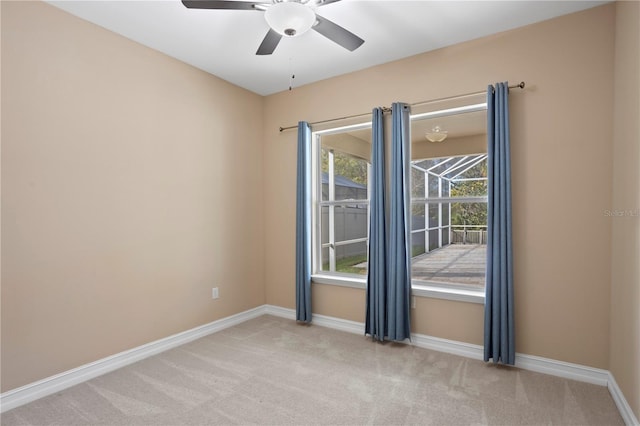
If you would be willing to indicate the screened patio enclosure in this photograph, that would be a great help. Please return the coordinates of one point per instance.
(449, 210)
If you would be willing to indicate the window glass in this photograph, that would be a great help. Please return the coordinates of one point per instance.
(350, 222)
(350, 177)
(324, 166)
(342, 206)
(352, 258)
(451, 248)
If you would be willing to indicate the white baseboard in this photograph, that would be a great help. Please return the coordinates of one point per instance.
(321, 320)
(466, 350)
(278, 311)
(25, 394)
(420, 340)
(621, 402)
(538, 364)
(563, 369)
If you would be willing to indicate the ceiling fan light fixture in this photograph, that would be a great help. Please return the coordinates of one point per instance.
(436, 134)
(290, 18)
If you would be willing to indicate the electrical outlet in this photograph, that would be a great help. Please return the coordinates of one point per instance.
(214, 293)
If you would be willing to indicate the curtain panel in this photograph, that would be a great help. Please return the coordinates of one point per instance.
(303, 224)
(499, 330)
(399, 259)
(376, 301)
(389, 274)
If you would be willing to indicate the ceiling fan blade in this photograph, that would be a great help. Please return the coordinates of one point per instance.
(269, 43)
(220, 4)
(337, 34)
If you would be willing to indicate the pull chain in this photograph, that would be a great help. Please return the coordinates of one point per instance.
(291, 73)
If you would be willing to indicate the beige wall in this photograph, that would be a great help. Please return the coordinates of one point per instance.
(562, 165)
(131, 185)
(625, 282)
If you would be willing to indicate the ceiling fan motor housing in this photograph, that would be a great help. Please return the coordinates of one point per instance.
(290, 18)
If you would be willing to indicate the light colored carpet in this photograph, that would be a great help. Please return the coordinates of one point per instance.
(273, 371)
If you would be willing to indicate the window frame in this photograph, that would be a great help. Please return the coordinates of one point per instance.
(332, 276)
(418, 289)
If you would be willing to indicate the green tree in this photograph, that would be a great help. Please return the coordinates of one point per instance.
(354, 169)
(470, 213)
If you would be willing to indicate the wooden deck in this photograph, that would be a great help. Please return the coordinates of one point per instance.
(453, 264)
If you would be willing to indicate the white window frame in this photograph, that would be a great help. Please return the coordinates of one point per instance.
(438, 290)
(318, 275)
(454, 291)
(449, 292)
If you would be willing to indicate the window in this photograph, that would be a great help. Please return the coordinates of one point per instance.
(449, 203)
(341, 200)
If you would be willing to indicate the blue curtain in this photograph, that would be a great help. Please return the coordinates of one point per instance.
(399, 259)
(499, 336)
(377, 271)
(303, 224)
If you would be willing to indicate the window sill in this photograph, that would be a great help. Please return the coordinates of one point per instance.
(458, 294)
(340, 280)
(431, 291)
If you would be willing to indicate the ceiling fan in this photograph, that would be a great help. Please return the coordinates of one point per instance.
(286, 18)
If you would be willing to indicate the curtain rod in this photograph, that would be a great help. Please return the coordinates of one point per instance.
(515, 86)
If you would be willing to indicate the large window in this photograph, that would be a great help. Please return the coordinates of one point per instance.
(342, 201)
(449, 201)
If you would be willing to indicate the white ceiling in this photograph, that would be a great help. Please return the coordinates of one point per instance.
(224, 42)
